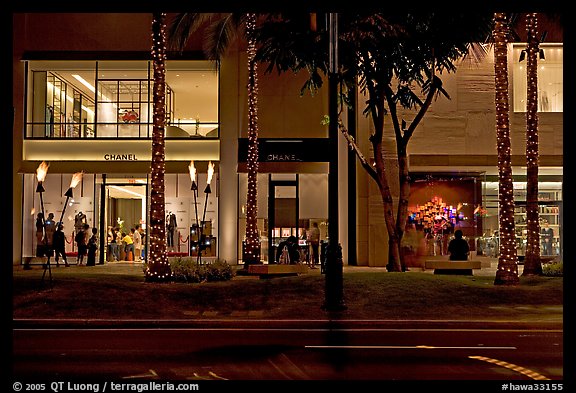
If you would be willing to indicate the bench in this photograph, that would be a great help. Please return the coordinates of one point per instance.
(453, 267)
(271, 270)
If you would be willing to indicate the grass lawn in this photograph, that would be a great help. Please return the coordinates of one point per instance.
(98, 293)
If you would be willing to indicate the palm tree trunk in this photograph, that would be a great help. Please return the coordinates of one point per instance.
(252, 250)
(158, 266)
(532, 264)
(507, 272)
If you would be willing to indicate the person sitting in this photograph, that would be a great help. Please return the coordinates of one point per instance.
(292, 255)
(458, 247)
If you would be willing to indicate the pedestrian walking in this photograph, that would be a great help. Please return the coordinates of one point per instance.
(59, 243)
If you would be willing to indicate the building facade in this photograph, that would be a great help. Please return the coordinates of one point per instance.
(82, 103)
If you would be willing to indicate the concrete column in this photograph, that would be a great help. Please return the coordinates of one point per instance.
(231, 72)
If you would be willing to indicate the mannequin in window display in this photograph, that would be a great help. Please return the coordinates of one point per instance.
(171, 224)
(79, 221)
(70, 127)
(547, 236)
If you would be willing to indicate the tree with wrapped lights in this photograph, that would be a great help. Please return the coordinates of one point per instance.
(158, 269)
(221, 29)
(514, 27)
(507, 271)
(532, 263)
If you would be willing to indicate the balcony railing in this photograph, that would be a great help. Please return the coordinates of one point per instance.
(73, 130)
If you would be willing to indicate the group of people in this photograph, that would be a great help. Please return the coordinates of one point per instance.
(51, 241)
(87, 245)
(124, 245)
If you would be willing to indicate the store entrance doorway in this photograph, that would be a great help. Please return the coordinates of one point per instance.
(124, 208)
(283, 213)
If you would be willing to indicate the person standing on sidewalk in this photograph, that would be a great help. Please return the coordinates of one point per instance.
(92, 248)
(314, 239)
(40, 234)
(50, 228)
(137, 243)
(82, 243)
(59, 243)
(128, 245)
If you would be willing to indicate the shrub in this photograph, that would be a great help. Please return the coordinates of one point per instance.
(219, 271)
(186, 269)
(554, 269)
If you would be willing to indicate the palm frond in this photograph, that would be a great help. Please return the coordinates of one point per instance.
(219, 35)
(183, 26)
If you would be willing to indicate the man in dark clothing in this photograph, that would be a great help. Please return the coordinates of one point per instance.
(458, 247)
(59, 244)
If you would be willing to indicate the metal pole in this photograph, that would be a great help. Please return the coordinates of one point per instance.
(195, 193)
(207, 191)
(103, 226)
(334, 297)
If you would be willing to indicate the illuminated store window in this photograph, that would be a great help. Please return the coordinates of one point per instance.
(289, 204)
(113, 99)
(550, 78)
(58, 105)
(549, 212)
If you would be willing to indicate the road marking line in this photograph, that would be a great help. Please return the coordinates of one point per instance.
(514, 367)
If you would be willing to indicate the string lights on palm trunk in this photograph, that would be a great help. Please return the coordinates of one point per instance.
(252, 245)
(158, 267)
(507, 265)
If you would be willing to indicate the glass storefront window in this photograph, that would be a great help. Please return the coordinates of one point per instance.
(113, 99)
(53, 202)
(288, 205)
(550, 215)
(58, 105)
(550, 78)
(125, 205)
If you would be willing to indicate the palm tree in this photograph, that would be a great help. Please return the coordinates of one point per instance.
(532, 263)
(219, 35)
(507, 271)
(158, 266)
(252, 250)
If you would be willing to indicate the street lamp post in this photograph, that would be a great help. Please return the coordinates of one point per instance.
(334, 296)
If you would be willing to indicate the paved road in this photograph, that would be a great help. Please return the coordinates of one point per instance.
(293, 350)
